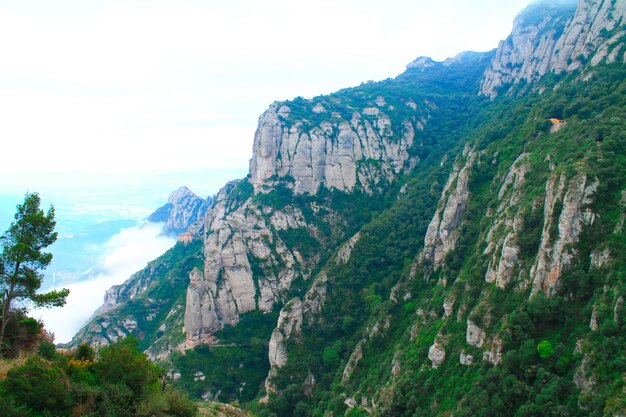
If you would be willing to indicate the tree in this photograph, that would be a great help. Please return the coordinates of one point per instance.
(545, 349)
(22, 260)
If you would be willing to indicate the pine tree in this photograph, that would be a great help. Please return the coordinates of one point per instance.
(23, 260)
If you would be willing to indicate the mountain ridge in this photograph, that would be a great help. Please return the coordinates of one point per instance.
(400, 225)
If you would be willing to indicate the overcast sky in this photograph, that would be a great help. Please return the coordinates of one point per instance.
(153, 86)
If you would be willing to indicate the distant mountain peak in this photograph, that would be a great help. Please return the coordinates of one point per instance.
(180, 194)
(183, 208)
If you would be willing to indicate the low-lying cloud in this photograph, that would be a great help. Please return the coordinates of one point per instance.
(124, 254)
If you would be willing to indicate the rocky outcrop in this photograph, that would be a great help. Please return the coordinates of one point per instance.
(448, 307)
(566, 211)
(373, 331)
(466, 359)
(437, 354)
(501, 239)
(441, 237)
(421, 63)
(290, 322)
(353, 361)
(338, 153)
(316, 296)
(494, 354)
(474, 335)
(289, 325)
(239, 236)
(201, 320)
(183, 208)
(344, 252)
(599, 259)
(556, 36)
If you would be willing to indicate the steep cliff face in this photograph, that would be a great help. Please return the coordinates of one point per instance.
(502, 237)
(556, 252)
(183, 208)
(558, 36)
(440, 237)
(241, 240)
(522, 240)
(338, 153)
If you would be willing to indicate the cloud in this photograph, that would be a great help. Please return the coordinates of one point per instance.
(125, 253)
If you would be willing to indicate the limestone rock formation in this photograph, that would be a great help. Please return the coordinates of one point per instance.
(337, 153)
(502, 236)
(555, 252)
(474, 336)
(437, 354)
(441, 237)
(238, 236)
(421, 63)
(448, 306)
(183, 208)
(201, 320)
(316, 296)
(556, 36)
(344, 252)
(466, 359)
(494, 354)
(353, 361)
(289, 324)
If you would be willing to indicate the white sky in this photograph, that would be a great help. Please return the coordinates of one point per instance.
(154, 85)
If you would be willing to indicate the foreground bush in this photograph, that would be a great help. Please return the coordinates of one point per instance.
(120, 381)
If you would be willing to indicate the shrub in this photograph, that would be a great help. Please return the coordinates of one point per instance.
(545, 349)
(38, 384)
(46, 350)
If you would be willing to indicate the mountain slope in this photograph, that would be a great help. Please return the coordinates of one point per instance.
(464, 332)
(431, 251)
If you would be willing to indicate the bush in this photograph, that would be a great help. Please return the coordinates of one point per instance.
(47, 350)
(38, 384)
(124, 364)
(85, 352)
(545, 349)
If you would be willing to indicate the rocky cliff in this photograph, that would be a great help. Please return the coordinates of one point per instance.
(241, 238)
(558, 36)
(363, 149)
(441, 235)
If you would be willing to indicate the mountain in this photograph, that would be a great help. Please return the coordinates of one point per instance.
(447, 242)
(557, 36)
(183, 208)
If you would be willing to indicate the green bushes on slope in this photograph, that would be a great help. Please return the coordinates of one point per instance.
(120, 381)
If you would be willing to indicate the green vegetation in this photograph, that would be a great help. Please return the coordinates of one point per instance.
(550, 357)
(118, 381)
(232, 370)
(21, 264)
